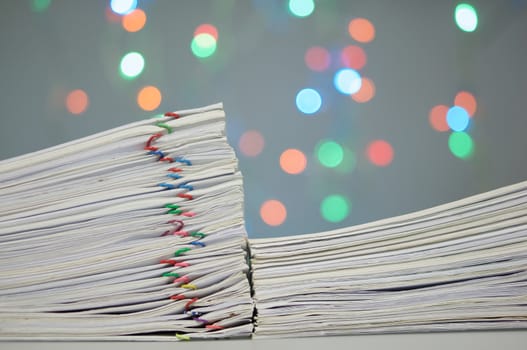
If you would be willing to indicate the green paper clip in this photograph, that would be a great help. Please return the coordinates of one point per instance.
(171, 274)
(165, 126)
(181, 251)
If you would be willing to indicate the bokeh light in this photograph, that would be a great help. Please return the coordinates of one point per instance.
(207, 28)
(132, 64)
(329, 153)
(461, 144)
(203, 45)
(347, 81)
(335, 208)
(380, 153)
(457, 118)
(40, 5)
(301, 8)
(353, 57)
(273, 212)
(467, 101)
(308, 101)
(361, 30)
(466, 17)
(134, 21)
(317, 58)
(77, 101)
(437, 118)
(149, 98)
(293, 161)
(251, 143)
(122, 7)
(366, 91)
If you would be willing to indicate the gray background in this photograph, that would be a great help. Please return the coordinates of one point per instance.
(418, 59)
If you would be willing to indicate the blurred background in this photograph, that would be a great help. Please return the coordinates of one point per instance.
(341, 112)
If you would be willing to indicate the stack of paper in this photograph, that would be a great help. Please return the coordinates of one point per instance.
(459, 266)
(137, 231)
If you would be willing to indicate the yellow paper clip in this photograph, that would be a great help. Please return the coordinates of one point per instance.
(189, 286)
(182, 336)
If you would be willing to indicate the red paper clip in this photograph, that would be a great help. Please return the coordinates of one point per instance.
(182, 264)
(172, 114)
(190, 302)
(185, 195)
(148, 145)
(213, 326)
(175, 263)
(179, 226)
(181, 233)
(183, 279)
(166, 159)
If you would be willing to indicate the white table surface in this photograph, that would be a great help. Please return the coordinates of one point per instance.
(501, 340)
